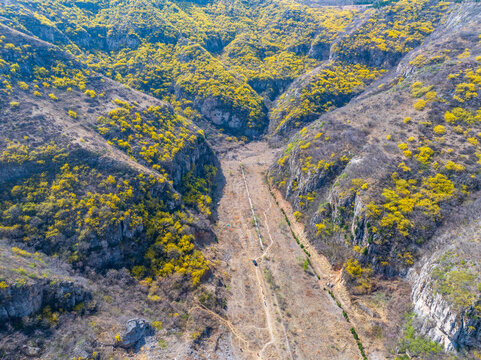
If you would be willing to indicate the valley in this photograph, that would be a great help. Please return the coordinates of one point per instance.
(233, 179)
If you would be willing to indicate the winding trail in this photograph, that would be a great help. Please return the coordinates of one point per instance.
(226, 322)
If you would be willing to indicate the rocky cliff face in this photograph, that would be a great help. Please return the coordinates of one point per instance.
(326, 166)
(443, 324)
(45, 286)
(454, 329)
(184, 148)
(445, 283)
(25, 300)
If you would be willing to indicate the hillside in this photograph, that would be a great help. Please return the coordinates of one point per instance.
(222, 63)
(230, 179)
(376, 180)
(96, 175)
(370, 46)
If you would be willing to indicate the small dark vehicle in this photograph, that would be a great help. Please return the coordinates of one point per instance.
(255, 262)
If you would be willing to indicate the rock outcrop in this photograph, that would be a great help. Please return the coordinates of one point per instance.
(135, 331)
(17, 301)
(445, 284)
(453, 328)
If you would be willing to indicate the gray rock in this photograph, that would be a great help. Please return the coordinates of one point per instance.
(31, 351)
(136, 330)
(19, 301)
(439, 320)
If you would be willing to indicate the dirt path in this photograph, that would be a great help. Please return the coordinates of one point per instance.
(276, 310)
(321, 265)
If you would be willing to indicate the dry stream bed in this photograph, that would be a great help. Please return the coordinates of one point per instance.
(278, 309)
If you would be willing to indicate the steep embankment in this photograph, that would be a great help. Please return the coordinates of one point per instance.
(375, 179)
(62, 122)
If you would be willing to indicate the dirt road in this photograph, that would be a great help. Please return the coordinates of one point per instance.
(276, 310)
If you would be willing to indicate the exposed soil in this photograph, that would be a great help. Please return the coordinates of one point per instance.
(276, 310)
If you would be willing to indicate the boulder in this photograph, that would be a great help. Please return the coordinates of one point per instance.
(136, 330)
